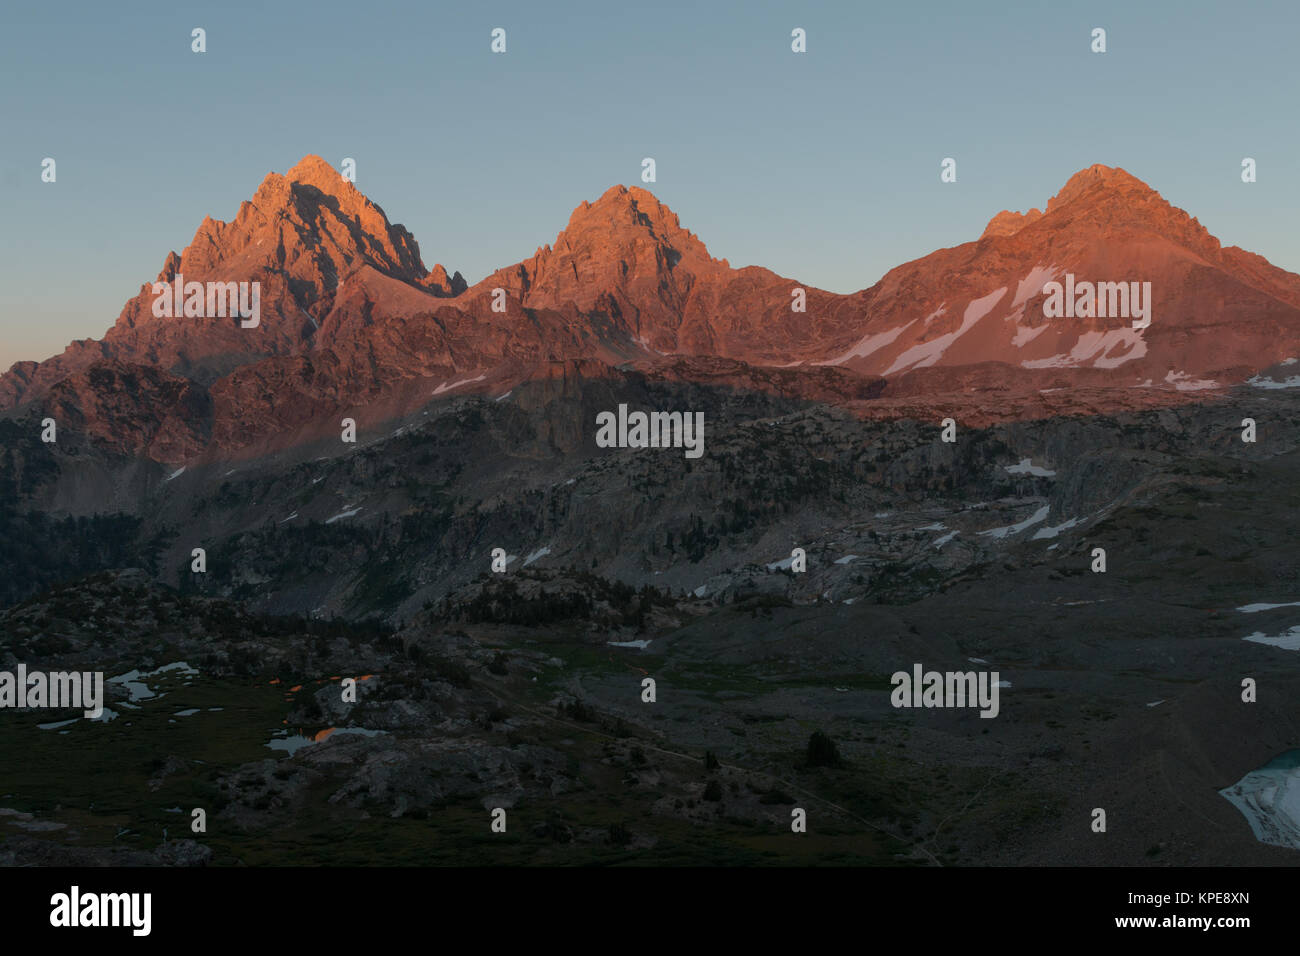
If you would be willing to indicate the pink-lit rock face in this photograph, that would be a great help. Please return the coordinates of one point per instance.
(351, 317)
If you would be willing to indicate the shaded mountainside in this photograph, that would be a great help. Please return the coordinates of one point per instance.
(523, 690)
(885, 510)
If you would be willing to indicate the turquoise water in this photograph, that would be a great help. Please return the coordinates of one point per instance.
(1269, 799)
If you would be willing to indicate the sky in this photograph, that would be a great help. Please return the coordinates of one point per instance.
(822, 166)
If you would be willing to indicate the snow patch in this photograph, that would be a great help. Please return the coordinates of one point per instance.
(1026, 334)
(1052, 532)
(446, 387)
(136, 688)
(57, 724)
(1032, 284)
(870, 344)
(536, 556)
(1097, 346)
(1261, 382)
(1183, 382)
(1288, 640)
(927, 353)
(1035, 518)
(347, 512)
(1027, 467)
(642, 341)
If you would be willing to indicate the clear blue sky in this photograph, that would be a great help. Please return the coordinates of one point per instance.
(822, 166)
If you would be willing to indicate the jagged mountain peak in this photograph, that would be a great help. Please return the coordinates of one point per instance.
(310, 171)
(1098, 176)
(1098, 185)
(1098, 205)
(628, 214)
(1008, 223)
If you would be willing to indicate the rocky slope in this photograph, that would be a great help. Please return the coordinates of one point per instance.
(521, 690)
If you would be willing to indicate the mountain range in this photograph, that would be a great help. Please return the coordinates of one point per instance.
(200, 534)
(353, 323)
